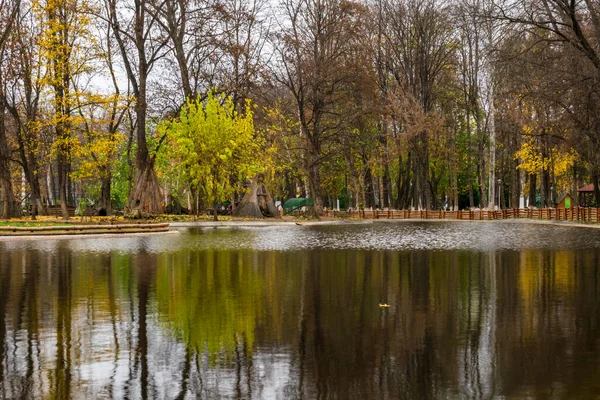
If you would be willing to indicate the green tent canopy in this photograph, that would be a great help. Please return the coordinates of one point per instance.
(296, 203)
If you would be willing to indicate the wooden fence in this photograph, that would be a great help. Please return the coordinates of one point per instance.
(581, 214)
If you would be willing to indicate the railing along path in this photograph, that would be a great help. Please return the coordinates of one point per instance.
(581, 214)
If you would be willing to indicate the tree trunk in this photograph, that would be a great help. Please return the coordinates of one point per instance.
(491, 128)
(516, 184)
(368, 188)
(469, 162)
(575, 185)
(257, 203)
(145, 196)
(545, 188)
(314, 182)
(416, 187)
(596, 187)
(483, 198)
(32, 177)
(532, 189)
(424, 184)
(386, 186)
(290, 187)
(104, 205)
(215, 214)
(5, 182)
(399, 201)
(62, 184)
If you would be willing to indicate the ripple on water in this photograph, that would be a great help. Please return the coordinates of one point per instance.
(396, 236)
(404, 236)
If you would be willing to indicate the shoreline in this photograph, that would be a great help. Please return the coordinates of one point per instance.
(215, 224)
(85, 236)
(175, 226)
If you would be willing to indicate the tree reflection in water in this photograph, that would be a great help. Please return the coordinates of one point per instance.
(193, 323)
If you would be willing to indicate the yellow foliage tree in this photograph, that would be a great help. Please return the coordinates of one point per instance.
(557, 159)
(65, 45)
(214, 146)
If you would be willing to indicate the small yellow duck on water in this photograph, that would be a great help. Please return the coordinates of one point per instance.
(383, 305)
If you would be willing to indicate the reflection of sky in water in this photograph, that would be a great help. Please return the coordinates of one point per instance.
(463, 324)
(377, 236)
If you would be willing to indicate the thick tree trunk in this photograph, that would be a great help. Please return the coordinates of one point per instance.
(104, 205)
(145, 196)
(532, 190)
(314, 182)
(257, 203)
(194, 209)
(5, 182)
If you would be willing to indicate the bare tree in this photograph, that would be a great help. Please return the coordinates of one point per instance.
(420, 38)
(573, 27)
(312, 45)
(8, 14)
(141, 45)
(22, 99)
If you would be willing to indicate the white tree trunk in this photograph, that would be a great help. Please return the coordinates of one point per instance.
(491, 125)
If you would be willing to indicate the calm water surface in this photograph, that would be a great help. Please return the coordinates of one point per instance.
(477, 310)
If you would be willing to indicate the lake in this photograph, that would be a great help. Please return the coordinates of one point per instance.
(389, 310)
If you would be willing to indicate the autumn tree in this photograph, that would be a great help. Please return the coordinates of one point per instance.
(312, 44)
(99, 143)
(24, 77)
(141, 45)
(8, 14)
(420, 38)
(64, 46)
(212, 144)
(569, 31)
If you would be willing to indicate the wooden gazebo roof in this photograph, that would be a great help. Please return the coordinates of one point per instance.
(586, 188)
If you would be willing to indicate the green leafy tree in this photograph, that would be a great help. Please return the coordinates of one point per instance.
(212, 146)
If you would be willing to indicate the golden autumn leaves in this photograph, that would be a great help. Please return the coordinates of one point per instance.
(214, 146)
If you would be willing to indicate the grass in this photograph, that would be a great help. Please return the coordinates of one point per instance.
(43, 220)
(25, 223)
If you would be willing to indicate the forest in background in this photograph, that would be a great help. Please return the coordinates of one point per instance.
(424, 104)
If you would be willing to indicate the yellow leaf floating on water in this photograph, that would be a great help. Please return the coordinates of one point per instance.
(384, 305)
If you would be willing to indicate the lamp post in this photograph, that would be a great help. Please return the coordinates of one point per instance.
(499, 193)
(552, 195)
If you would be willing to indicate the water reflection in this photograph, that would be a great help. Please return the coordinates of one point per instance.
(210, 323)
